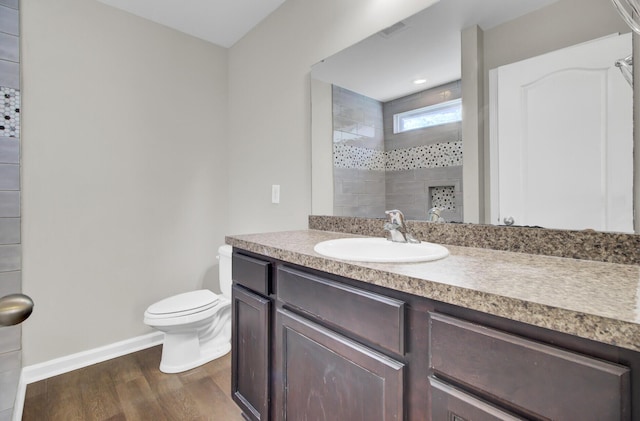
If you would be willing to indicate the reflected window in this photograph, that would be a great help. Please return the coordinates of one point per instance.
(433, 115)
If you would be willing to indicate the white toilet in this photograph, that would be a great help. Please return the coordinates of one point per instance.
(196, 324)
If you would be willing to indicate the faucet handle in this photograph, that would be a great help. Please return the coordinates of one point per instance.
(395, 217)
(397, 229)
(434, 215)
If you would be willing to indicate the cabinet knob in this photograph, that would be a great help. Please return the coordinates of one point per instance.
(508, 220)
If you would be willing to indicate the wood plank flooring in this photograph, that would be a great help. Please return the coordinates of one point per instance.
(133, 388)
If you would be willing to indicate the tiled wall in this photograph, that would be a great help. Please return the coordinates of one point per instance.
(358, 155)
(10, 249)
(424, 166)
(412, 171)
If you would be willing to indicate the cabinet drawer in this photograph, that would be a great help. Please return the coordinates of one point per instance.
(374, 318)
(450, 403)
(531, 378)
(252, 273)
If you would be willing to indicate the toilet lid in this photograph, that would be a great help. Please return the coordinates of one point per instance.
(188, 302)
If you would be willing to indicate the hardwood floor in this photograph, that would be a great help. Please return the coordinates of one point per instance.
(133, 388)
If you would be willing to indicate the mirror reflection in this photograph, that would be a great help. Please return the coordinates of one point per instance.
(408, 119)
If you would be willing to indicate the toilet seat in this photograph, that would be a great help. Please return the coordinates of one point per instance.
(183, 305)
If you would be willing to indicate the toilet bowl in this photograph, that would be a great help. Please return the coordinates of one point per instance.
(196, 324)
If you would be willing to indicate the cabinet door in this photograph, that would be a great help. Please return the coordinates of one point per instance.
(327, 376)
(250, 353)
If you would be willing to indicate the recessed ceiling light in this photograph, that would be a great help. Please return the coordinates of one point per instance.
(420, 81)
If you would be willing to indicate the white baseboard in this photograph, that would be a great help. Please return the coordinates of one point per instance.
(37, 372)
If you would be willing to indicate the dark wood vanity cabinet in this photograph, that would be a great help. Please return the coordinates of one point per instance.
(308, 345)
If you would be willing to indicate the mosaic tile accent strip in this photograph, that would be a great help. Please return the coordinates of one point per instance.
(10, 111)
(446, 154)
(353, 157)
(443, 197)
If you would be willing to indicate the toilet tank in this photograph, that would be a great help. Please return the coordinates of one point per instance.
(224, 256)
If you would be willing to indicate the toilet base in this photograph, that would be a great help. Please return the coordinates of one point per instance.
(174, 361)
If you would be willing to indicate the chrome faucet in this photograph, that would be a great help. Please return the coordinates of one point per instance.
(434, 215)
(397, 228)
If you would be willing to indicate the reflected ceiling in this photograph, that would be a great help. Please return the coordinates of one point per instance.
(426, 45)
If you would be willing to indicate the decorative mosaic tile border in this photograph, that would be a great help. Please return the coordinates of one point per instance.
(446, 154)
(10, 112)
(353, 157)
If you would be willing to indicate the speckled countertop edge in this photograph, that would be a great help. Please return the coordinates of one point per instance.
(592, 300)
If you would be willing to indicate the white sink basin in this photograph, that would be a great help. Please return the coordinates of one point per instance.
(380, 250)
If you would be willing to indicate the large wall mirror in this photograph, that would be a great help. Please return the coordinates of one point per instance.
(408, 118)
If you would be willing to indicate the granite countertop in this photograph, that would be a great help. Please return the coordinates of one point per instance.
(589, 299)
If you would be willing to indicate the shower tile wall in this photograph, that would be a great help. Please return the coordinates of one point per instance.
(10, 249)
(375, 169)
(424, 166)
(358, 155)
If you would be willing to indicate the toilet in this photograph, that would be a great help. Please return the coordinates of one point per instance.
(196, 324)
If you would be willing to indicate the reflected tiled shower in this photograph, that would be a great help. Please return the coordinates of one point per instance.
(376, 169)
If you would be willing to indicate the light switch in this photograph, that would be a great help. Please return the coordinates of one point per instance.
(275, 193)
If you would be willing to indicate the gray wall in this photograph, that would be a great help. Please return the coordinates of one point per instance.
(124, 171)
(10, 248)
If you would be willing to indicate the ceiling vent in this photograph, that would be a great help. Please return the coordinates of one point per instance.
(393, 30)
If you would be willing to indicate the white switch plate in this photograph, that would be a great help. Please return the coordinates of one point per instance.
(275, 193)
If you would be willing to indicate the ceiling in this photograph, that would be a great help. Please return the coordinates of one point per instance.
(428, 46)
(222, 22)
